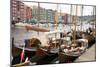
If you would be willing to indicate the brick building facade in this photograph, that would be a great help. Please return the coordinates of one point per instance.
(20, 12)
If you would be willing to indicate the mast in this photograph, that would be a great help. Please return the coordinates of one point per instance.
(38, 14)
(48, 21)
(70, 16)
(82, 17)
(75, 20)
(56, 22)
(94, 15)
(56, 18)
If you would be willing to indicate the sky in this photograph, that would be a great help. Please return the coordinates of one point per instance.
(87, 10)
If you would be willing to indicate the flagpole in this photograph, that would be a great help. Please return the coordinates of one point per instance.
(22, 55)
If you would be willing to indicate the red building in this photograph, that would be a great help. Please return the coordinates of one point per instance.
(20, 12)
(14, 10)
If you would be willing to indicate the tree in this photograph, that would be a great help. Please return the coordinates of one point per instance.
(33, 21)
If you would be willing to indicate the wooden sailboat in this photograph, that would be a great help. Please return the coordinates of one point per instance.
(73, 50)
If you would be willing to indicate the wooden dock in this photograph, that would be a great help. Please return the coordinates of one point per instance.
(89, 55)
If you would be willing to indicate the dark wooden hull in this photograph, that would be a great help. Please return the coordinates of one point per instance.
(66, 58)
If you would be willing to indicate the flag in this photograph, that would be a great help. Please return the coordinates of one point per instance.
(22, 55)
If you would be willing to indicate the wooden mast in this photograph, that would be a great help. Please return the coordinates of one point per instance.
(56, 22)
(56, 18)
(48, 26)
(94, 15)
(75, 20)
(82, 17)
(70, 16)
(38, 14)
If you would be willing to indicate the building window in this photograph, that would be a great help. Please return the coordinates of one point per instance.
(18, 5)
